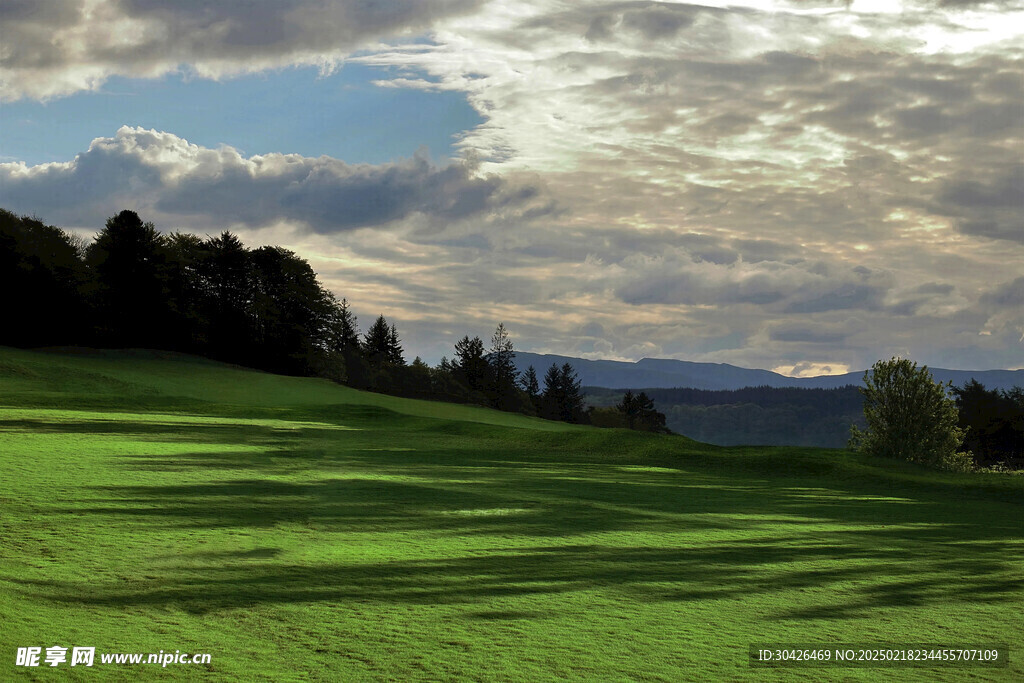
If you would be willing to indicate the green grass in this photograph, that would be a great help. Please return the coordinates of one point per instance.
(298, 530)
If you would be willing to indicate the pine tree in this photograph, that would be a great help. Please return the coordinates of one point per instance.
(395, 352)
(377, 343)
(563, 394)
(503, 368)
(531, 386)
(345, 332)
(628, 408)
(572, 392)
(471, 367)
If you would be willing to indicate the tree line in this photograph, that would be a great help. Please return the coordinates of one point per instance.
(133, 286)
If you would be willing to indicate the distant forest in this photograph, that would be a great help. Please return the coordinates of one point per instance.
(772, 416)
(756, 415)
(135, 287)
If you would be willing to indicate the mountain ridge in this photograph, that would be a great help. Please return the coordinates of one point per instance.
(665, 373)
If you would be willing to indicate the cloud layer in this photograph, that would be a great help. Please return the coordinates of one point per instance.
(801, 184)
(59, 47)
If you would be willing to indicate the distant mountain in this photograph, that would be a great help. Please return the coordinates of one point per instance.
(649, 373)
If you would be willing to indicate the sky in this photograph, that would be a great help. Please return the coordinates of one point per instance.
(805, 186)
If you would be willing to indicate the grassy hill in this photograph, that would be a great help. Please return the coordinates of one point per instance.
(299, 530)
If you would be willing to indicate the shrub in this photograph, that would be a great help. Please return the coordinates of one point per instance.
(910, 417)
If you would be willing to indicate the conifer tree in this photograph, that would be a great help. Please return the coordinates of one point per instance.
(531, 386)
(503, 368)
(563, 394)
(572, 391)
(346, 333)
(395, 352)
(471, 367)
(377, 343)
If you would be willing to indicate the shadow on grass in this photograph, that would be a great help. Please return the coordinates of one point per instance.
(743, 524)
(718, 572)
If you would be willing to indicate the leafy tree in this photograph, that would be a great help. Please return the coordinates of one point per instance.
(128, 263)
(188, 291)
(418, 379)
(290, 312)
(445, 382)
(909, 417)
(229, 299)
(40, 270)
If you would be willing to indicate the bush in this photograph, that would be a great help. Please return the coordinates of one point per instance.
(910, 417)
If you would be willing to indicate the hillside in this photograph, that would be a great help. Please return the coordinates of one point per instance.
(666, 373)
(296, 529)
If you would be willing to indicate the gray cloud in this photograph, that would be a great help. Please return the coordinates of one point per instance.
(987, 202)
(55, 47)
(803, 333)
(161, 172)
(809, 287)
(1007, 295)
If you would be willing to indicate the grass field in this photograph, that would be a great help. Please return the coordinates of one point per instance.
(298, 530)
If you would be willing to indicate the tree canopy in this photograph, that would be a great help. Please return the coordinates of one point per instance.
(909, 417)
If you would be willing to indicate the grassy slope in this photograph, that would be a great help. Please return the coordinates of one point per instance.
(296, 529)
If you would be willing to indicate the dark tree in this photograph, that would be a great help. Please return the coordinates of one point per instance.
(41, 277)
(290, 314)
(188, 291)
(344, 332)
(471, 367)
(446, 384)
(341, 339)
(638, 412)
(572, 406)
(230, 295)
(263, 307)
(503, 370)
(419, 379)
(994, 422)
(131, 295)
(531, 386)
(395, 352)
(563, 395)
(377, 343)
